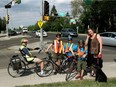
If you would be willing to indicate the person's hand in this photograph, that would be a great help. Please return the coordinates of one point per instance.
(88, 36)
(99, 55)
(46, 51)
(37, 48)
(84, 56)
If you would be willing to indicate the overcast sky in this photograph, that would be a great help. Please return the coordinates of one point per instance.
(29, 11)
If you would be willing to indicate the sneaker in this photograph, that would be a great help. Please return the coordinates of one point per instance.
(55, 73)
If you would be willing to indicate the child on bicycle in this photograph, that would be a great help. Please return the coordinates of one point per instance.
(81, 64)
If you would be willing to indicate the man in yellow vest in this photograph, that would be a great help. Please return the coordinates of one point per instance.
(28, 55)
(57, 47)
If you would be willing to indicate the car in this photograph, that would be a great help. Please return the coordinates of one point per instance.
(68, 31)
(38, 33)
(12, 33)
(108, 38)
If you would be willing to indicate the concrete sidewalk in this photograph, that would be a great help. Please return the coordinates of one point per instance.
(31, 79)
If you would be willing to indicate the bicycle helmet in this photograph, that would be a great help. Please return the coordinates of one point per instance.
(24, 41)
(69, 38)
(81, 42)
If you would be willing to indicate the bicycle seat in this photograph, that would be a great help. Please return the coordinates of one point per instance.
(23, 55)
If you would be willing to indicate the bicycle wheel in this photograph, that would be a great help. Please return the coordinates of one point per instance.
(65, 66)
(47, 68)
(16, 72)
(72, 72)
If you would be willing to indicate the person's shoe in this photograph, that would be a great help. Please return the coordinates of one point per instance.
(81, 77)
(77, 77)
(55, 73)
(92, 74)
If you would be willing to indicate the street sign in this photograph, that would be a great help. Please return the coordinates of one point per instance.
(40, 23)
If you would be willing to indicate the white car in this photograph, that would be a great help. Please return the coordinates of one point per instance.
(108, 38)
(38, 33)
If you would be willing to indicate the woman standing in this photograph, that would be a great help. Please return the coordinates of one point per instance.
(94, 43)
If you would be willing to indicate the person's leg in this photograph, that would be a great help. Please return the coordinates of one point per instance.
(93, 66)
(78, 69)
(37, 60)
(84, 64)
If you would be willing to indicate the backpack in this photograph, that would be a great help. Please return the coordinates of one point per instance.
(16, 62)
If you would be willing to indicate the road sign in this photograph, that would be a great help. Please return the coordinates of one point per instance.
(40, 24)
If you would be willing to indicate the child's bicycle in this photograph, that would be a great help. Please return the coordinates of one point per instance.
(72, 71)
(18, 66)
(51, 65)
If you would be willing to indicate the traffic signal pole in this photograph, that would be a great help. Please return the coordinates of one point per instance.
(41, 30)
(7, 23)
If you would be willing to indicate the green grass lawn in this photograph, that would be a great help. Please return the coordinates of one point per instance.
(77, 83)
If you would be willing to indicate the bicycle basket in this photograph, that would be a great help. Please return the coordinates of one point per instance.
(16, 62)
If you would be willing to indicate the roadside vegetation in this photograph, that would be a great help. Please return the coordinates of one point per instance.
(77, 83)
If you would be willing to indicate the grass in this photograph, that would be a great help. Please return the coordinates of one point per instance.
(77, 83)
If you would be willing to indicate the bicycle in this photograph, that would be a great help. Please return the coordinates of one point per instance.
(72, 71)
(51, 64)
(18, 66)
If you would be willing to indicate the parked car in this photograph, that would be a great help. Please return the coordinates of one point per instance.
(12, 33)
(108, 38)
(18, 32)
(38, 33)
(68, 31)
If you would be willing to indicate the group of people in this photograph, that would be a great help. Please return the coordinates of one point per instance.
(89, 52)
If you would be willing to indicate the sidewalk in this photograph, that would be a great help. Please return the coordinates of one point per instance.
(4, 37)
(31, 79)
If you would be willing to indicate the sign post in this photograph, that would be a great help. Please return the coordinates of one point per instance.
(40, 24)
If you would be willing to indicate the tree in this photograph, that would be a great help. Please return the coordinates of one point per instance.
(2, 24)
(53, 11)
(75, 4)
(99, 15)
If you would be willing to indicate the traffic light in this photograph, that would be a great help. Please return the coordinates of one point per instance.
(7, 6)
(7, 19)
(46, 8)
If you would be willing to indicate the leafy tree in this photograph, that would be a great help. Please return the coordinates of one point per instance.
(53, 11)
(100, 14)
(2, 24)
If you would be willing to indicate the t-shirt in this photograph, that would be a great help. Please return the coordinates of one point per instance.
(74, 47)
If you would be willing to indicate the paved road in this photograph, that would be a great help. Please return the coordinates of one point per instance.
(31, 78)
(109, 53)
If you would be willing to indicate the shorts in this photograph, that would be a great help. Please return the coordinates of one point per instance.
(32, 59)
(81, 65)
(57, 56)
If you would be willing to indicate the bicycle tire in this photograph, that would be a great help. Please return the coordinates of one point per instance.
(71, 73)
(16, 72)
(47, 68)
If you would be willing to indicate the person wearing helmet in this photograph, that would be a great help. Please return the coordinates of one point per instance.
(28, 55)
(57, 48)
(81, 64)
(70, 49)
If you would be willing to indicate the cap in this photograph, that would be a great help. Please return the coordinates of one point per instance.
(58, 35)
(24, 41)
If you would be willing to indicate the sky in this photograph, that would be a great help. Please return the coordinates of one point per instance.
(29, 11)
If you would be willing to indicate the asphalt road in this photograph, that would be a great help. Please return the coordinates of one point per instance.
(109, 53)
